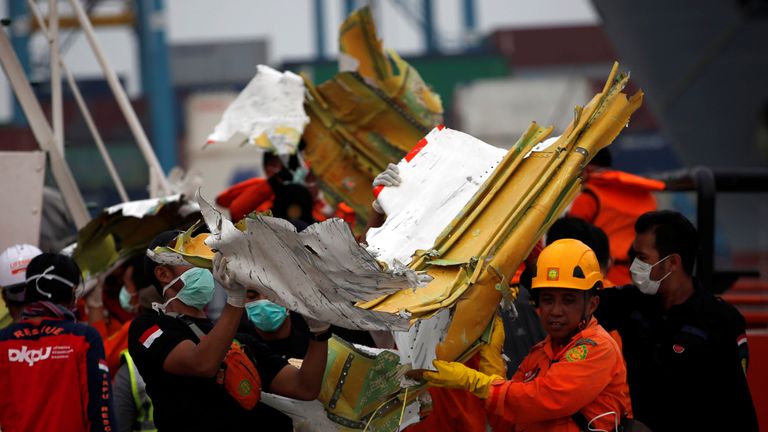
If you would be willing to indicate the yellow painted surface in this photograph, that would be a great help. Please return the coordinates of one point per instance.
(361, 121)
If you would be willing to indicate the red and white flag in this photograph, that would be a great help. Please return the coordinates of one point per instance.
(150, 335)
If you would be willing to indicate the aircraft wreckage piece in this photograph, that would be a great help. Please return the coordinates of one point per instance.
(362, 386)
(361, 391)
(125, 229)
(472, 259)
(319, 272)
(366, 116)
(269, 112)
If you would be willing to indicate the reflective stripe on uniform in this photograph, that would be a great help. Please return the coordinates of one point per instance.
(145, 418)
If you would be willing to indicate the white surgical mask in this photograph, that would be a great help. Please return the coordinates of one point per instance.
(641, 276)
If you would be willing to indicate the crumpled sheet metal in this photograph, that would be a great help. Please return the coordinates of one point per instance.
(269, 112)
(386, 70)
(480, 249)
(318, 272)
(363, 119)
(124, 229)
(187, 250)
(417, 346)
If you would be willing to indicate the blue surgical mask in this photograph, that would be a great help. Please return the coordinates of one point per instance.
(265, 315)
(125, 300)
(197, 289)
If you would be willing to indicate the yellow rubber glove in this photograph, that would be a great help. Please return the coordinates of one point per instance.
(491, 360)
(456, 375)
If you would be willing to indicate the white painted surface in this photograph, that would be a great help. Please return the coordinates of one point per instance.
(417, 345)
(270, 102)
(436, 184)
(306, 415)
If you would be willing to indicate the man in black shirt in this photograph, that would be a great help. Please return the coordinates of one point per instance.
(685, 349)
(180, 368)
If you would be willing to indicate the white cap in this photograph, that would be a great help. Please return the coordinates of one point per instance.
(13, 267)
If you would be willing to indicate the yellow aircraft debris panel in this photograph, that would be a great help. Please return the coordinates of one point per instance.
(366, 116)
(473, 257)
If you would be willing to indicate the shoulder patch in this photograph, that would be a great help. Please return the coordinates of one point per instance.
(577, 353)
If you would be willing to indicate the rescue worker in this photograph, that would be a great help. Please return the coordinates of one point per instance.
(575, 378)
(686, 350)
(52, 369)
(13, 270)
(185, 358)
(612, 200)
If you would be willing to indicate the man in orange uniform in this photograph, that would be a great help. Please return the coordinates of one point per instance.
(613, 200)
(576, 375)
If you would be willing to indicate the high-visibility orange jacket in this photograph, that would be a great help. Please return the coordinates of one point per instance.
(613, 200)
(587, 375)
(250, 195)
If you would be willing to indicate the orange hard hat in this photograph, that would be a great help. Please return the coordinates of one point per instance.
(567, 263)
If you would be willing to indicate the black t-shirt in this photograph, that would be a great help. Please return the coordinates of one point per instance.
(685, 365)
(190, 403)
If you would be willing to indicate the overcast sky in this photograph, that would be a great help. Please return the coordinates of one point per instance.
(288, 25)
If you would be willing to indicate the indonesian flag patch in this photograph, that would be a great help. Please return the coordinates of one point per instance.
(103, 366)
(149, 336)
(741, 340)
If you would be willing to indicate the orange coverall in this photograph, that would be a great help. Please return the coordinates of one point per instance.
(613, 200)
(587, 375)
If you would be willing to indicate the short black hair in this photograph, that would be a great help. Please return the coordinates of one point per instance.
(163, 239)
(675, 234)
(583, 231)
(52, 290)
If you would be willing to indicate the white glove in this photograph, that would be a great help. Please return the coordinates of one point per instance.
(377, 208)
(316, 326)
(388, 177)
(235, 290)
